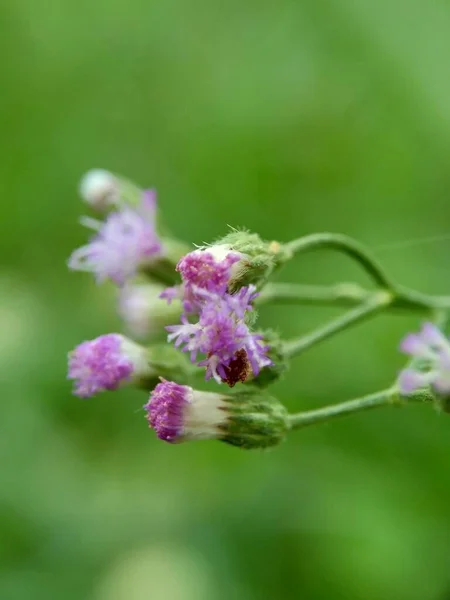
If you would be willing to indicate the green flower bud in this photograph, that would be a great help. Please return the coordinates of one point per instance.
(254, 421)
(258, 261)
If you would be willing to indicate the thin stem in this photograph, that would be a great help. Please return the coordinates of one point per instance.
(403, 296)
(411, 299)
(387, 397)
(377, 302)
(347, 294)
(347, 245)
(344, 294)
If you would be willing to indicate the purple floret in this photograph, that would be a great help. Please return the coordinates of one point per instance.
(202, 270)
(165, 409)
(221, 333)
(99, 365)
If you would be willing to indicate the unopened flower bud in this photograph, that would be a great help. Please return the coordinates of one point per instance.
(112, 361)
(100, 189)
(179, 413)
(144, 312)
(258, 258)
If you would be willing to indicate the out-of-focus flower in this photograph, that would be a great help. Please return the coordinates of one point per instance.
(431, 350)
(106, 363)
(100, 189)
(125, 243)
(144, 312)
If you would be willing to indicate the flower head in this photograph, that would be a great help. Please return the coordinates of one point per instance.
(431, 349)
(99, 188)
(231, 350)
(124, 243)
(106, 363)
(179, 413)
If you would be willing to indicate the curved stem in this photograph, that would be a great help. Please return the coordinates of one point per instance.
(375, 303)
(411, 299)
(347, 245)
(387, 397)
(345, 294)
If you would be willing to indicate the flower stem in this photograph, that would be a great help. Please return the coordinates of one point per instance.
(403, 296)
(387, 397)
(375, 303)
(345, 294)
(413, 300)
(343, 243)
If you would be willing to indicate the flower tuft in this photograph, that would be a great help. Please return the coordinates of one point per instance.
(177, 413)
(99, 365)
(209, 268)
(124, 243)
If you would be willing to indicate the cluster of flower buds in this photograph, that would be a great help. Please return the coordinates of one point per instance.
(212, 298)
(208, 312)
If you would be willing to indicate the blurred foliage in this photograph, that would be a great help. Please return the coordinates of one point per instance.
(286, 117)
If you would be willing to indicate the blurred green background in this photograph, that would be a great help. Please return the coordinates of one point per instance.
(286, 117)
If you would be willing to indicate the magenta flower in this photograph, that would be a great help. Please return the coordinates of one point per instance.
(105, 363)
(209, 268)
(431, 349)
(124, 243)
(178, 413)
(222, 335)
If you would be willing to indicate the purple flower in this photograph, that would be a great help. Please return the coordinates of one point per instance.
(209, 268)
(231, 350)
(432, 349)
(125, 242)
(178, 413)
(105, 363)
